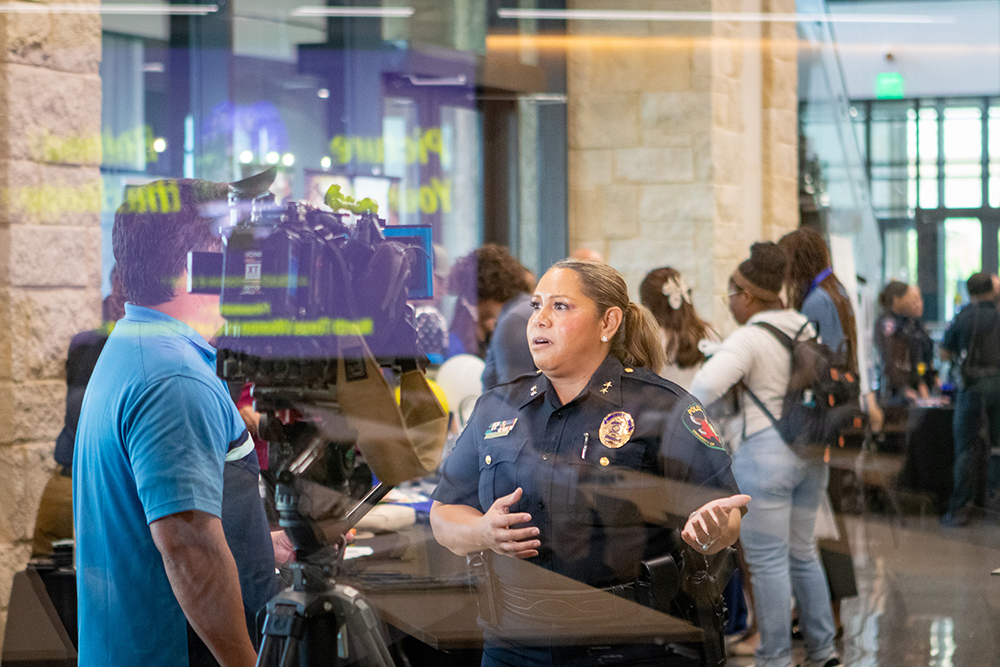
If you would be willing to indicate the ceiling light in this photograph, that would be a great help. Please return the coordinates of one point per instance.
(272, 157)
(246, 157)
(288, 159)
(354, 12)
(325, 162)
(159, 144)
(746, 17)
(323, 93)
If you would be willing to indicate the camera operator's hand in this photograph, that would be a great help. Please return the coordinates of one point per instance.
(498, 534)
(284, 552)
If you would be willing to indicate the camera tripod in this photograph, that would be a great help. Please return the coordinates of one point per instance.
(316, 621)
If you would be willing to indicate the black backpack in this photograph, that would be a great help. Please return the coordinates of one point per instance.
(821, 399)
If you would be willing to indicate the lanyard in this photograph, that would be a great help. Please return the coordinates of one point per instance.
(817, 280)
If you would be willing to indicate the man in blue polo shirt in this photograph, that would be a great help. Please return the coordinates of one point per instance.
(174, 555)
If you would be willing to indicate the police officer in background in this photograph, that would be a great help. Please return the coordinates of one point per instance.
(972, 342)
(513, 483)
(906, 348)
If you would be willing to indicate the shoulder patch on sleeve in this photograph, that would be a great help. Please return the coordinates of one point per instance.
(889, 326)
(696, 421)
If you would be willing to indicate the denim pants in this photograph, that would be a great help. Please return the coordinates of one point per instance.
(780, 546)
(970, 404)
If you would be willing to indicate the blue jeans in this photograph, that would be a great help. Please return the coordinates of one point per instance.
(780, 546)
(970, 404)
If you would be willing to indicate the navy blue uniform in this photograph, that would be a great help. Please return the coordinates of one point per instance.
(520, 435)
(907, 353)
(976, 333)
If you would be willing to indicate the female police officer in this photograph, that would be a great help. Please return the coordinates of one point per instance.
(513, 483)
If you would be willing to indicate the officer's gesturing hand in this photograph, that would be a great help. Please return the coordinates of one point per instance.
(715, 525)
(498, 534)
(463, 529)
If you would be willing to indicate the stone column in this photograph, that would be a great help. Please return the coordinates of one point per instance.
(682, 141)
(50, 260)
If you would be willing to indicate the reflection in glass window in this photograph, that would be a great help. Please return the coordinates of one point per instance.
(963, 256)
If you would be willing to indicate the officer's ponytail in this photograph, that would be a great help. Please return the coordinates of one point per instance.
(637, 341)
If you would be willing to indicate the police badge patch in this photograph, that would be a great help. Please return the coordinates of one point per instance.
(616, 429)
(697, 422)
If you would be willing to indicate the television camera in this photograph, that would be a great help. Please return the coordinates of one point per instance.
(315, 307)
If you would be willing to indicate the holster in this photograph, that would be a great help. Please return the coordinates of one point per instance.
(658, 582)
(701, 601)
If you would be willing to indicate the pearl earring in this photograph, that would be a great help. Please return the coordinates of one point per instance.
(604, 339)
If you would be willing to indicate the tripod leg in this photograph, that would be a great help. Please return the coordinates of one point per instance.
(282, 620)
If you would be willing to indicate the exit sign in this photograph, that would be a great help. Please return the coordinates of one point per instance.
(889, 86)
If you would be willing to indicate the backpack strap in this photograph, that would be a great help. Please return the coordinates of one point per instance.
(760, 405)
(782, 337)
(789, 344)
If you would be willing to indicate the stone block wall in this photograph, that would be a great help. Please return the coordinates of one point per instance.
(682, 141)
(50, 259)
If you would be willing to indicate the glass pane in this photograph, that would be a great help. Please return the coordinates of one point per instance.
(994, 150)
(900, 255)
(963, 256)
(890, 195)
(926, 134)
(889, 142)
(963, 149)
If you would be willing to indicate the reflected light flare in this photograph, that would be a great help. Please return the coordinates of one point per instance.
(747, 17)
(354, 12)
(676, 43)
(147, 9)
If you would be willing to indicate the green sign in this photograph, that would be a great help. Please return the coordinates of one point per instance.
(889, 86)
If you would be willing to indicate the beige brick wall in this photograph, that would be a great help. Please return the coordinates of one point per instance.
(682, 141)
(50, 195)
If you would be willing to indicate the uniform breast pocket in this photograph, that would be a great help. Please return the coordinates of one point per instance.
(498, 468)
(602, 485)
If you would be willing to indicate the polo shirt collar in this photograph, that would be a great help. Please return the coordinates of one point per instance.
(141, 314)
(605, 384)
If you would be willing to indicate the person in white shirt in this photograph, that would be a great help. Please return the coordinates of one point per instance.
(778, 532)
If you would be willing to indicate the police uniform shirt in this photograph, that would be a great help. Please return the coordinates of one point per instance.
(907, 352)
(580, 467)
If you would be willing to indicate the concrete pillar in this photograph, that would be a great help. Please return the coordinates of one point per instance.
(50, 200)
(682, 141)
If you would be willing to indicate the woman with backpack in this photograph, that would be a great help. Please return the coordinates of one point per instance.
(815, 291)
(778, 534)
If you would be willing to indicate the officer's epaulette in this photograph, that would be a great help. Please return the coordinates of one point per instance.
(649, 377)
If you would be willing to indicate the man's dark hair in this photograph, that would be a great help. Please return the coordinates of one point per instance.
(492, 271)
(155, 228)
(979, 284)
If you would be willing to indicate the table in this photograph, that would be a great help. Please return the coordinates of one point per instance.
(424, 590)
